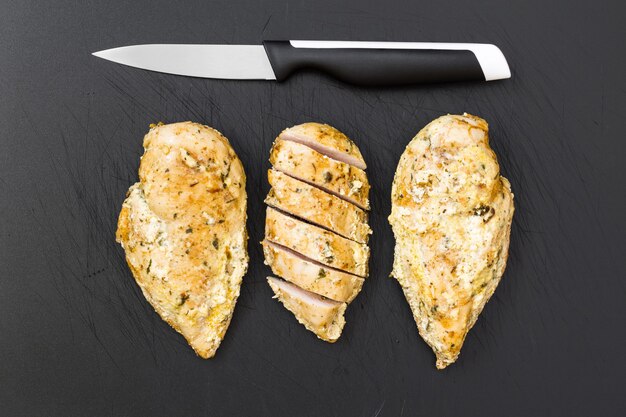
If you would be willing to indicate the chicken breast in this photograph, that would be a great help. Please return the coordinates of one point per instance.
(326, 140)
(316, 229)
(451, 217)
(316, 243)
(320, 315)
(182, 227)
(336, 177)
(317, 206)
(311, 275)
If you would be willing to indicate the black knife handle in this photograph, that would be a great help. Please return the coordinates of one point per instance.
(388, 63)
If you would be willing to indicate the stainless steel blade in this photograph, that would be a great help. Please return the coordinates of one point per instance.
(240, 62)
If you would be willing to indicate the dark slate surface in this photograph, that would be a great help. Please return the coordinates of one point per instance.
(78, 339)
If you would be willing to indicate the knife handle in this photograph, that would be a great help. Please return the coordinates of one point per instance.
(389, 63)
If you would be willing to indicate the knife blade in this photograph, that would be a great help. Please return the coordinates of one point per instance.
(355, 62)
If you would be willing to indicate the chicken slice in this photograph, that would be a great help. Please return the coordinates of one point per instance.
(316, 243)
(451, 217)
(320, 315)
(326, 140)
(310, 275)
(182, 227)
(316, 206)
(336, 177)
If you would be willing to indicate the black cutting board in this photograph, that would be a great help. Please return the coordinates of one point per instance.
(78, 339)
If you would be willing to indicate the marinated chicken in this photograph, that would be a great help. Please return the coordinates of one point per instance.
(316, 229)
(336, 177)
(326, 140)
(182, 227)
(451, 217)
(320, 315)
(311, 275)
(315, 243)
(317, 206)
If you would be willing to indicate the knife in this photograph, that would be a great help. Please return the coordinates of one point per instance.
(360, 63)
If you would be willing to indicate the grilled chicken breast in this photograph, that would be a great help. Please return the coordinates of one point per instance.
(320, 315)
(316, 229)
(336, 177)
(317, 206)
(451, 217)
(182, 227)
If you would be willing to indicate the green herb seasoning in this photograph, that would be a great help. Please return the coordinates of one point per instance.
(183, 298)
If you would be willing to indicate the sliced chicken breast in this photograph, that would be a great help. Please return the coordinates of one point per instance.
(320, 315)
(311, 275)
(316, 243)
(317, 206)
(451, 217)
(306, 164)
(316, 225)
(326, 140)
